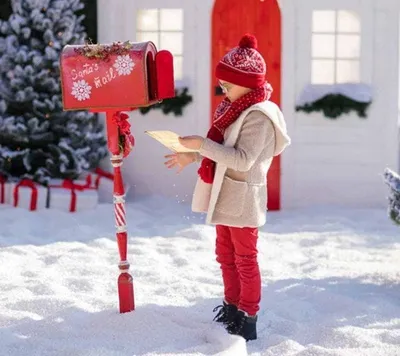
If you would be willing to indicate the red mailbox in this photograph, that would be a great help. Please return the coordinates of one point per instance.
(114, 78)
(121, 75)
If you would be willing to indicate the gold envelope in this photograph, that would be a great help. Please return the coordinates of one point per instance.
(170, 140)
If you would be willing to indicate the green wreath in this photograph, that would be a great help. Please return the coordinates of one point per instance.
(173, 105)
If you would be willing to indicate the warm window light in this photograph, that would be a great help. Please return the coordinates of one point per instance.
(147, 21)
(336, 47)
(163, 27)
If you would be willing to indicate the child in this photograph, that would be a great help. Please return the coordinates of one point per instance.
(248, 131)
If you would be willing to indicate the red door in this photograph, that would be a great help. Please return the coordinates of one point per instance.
(231, 19)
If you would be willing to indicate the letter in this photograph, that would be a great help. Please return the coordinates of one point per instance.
(85, 69)
(74, 75)
(104, 80)
(97, 82)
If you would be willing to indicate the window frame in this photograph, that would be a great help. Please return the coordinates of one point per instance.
(160, 31)
(336, 58)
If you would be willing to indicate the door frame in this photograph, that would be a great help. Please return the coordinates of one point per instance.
(267, 22)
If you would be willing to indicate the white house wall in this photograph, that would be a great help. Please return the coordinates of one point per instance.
(340, 161)
(144, 169)
(330, 161)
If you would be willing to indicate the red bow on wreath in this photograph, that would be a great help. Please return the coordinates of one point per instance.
(126, 140)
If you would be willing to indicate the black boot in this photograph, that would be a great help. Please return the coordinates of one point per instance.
(226, 313)
(243, 325)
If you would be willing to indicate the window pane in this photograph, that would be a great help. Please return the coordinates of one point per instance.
(324, 21)
(172, 42)
(348, 21)
(171, 20)
(323, 72)
(147, 20)
(178, 67)
(323, 46)
(348, 46)
(148, 36)
(347, 71)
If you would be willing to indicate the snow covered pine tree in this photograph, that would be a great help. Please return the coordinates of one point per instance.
(38, 140)
(393, 181)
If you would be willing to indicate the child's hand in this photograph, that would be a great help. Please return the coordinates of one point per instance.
(180, 160)
(191, 142)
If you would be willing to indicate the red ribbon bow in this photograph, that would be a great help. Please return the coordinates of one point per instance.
(69, 184)
(88, 181)
(126, 139)
(102, 174)
(29, 184)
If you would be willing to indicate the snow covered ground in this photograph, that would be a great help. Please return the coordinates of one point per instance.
(331, 284)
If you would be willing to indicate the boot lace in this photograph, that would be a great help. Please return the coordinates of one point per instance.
(221, 315)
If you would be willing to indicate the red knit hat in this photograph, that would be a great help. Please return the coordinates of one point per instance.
(243, 65)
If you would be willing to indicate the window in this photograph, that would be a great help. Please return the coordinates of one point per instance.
(163, 27)
(336, 47)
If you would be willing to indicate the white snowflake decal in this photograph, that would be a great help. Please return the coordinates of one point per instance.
(81, 90)
(124, 65)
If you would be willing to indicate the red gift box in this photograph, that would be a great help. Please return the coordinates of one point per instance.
(72, 196)
(5, 191)
(29, 195)
(103, 181)
(98, 177)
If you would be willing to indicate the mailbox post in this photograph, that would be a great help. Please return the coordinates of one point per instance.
(114, 78)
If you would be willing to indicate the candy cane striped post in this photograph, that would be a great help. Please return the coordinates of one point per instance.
(125, 281)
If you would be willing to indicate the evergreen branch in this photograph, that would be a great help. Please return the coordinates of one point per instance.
(335, 105)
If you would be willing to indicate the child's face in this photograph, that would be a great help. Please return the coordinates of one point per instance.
(233, 91)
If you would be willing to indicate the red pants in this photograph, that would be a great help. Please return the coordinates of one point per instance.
(236, 250)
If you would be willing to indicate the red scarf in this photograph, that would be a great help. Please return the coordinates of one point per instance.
(225, 115)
